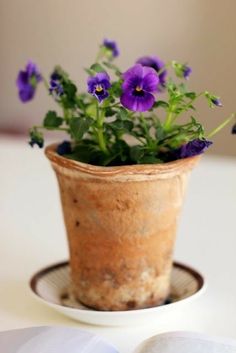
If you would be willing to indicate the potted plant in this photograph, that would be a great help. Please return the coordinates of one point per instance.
(123, 172)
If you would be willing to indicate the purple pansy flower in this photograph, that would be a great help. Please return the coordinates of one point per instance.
(186, 71)
(64, 148)
(56, 87)
(216, 101)
(182, 70)
(192, 148)
(157, 64)
(139, 84)
(36, 138)
(112, 46)
(34, 141)
(27, 82)
(98, 85)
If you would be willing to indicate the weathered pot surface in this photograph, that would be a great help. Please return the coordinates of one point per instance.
(121, 225)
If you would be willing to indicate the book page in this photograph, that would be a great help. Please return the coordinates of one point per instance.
(52, 340)
(186, 342)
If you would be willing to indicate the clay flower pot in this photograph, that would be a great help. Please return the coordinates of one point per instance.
(121, 225)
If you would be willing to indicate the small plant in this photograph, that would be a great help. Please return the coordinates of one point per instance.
(121, 105)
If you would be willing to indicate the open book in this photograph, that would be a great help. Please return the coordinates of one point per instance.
(47, 339)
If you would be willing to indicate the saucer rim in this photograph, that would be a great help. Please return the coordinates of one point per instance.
(47, 269)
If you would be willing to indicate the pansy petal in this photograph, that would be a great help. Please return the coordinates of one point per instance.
(111, 45)
(55, 76)
(157, 64)
(104, 80)
(137, 103)
(192, 148)
(131, 82)
(151, 61)
(98, 85)
(136, 70)
(150, 81)
(22, 79)
(101, 97)
(102, 76)
(27, 81)
(26, 93)
(216, 101)
(91, 82)
(32, 70)
(187, 72)
(148, 70)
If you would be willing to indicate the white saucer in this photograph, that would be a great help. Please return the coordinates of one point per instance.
(51, 286)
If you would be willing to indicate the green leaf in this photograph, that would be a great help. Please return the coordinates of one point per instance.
(70, 90)
(178, 110)
(121, 126)
(119, 154)
(80, 103)
(89, 72)
(36, 137)
(128, 125)
(83, 151)
(150, 160)
(51, 120)
(97, 68)
(91, 110)
(115, 89)
(182, 88)
(162, 104)
(79, 126)
(109, 112)
(194, 121)
(69, 97)
(160, 133)
(179, 69)
(136, 153)
(191, 95)
(123, 114)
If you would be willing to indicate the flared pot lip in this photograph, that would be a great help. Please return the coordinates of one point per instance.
(174, 167)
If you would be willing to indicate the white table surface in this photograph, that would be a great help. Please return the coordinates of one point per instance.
(32, 236)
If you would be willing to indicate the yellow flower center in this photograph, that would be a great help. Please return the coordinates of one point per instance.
(99, 88)
(138, 89)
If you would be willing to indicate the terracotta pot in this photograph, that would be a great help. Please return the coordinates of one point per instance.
(121, 225)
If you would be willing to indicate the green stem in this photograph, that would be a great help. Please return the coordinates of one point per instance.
(193, 100)
(101, 141)
(100, 135)
(146, 129)
(168, 121)
(218, 128)
(66, 114)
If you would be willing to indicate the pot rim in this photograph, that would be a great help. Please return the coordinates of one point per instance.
(173, 167)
